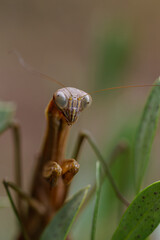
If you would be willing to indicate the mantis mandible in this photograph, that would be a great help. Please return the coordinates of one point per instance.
(54, 173)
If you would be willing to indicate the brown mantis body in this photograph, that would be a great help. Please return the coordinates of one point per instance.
(52, 165)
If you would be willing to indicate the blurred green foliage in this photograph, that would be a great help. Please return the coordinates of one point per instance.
(7, 112)
(113, 54)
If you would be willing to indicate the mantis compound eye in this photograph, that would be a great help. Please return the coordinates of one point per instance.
(86, 101)
(61, 100)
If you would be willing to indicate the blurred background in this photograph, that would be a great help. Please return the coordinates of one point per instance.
(89, 45)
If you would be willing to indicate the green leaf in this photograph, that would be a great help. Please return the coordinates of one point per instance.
(7, 110)
(98, 191)
(142, 216)
(145, 134)
(60, 225)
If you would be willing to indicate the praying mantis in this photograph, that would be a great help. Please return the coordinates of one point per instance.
(54, 173)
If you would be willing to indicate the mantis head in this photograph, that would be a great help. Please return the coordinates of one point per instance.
(71, 102)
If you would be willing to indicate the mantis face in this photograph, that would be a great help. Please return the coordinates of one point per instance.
(71, 101)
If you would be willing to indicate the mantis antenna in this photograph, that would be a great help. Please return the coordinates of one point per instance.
(44, 76)
(32, 70)
(119, 87)
(129, 86)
